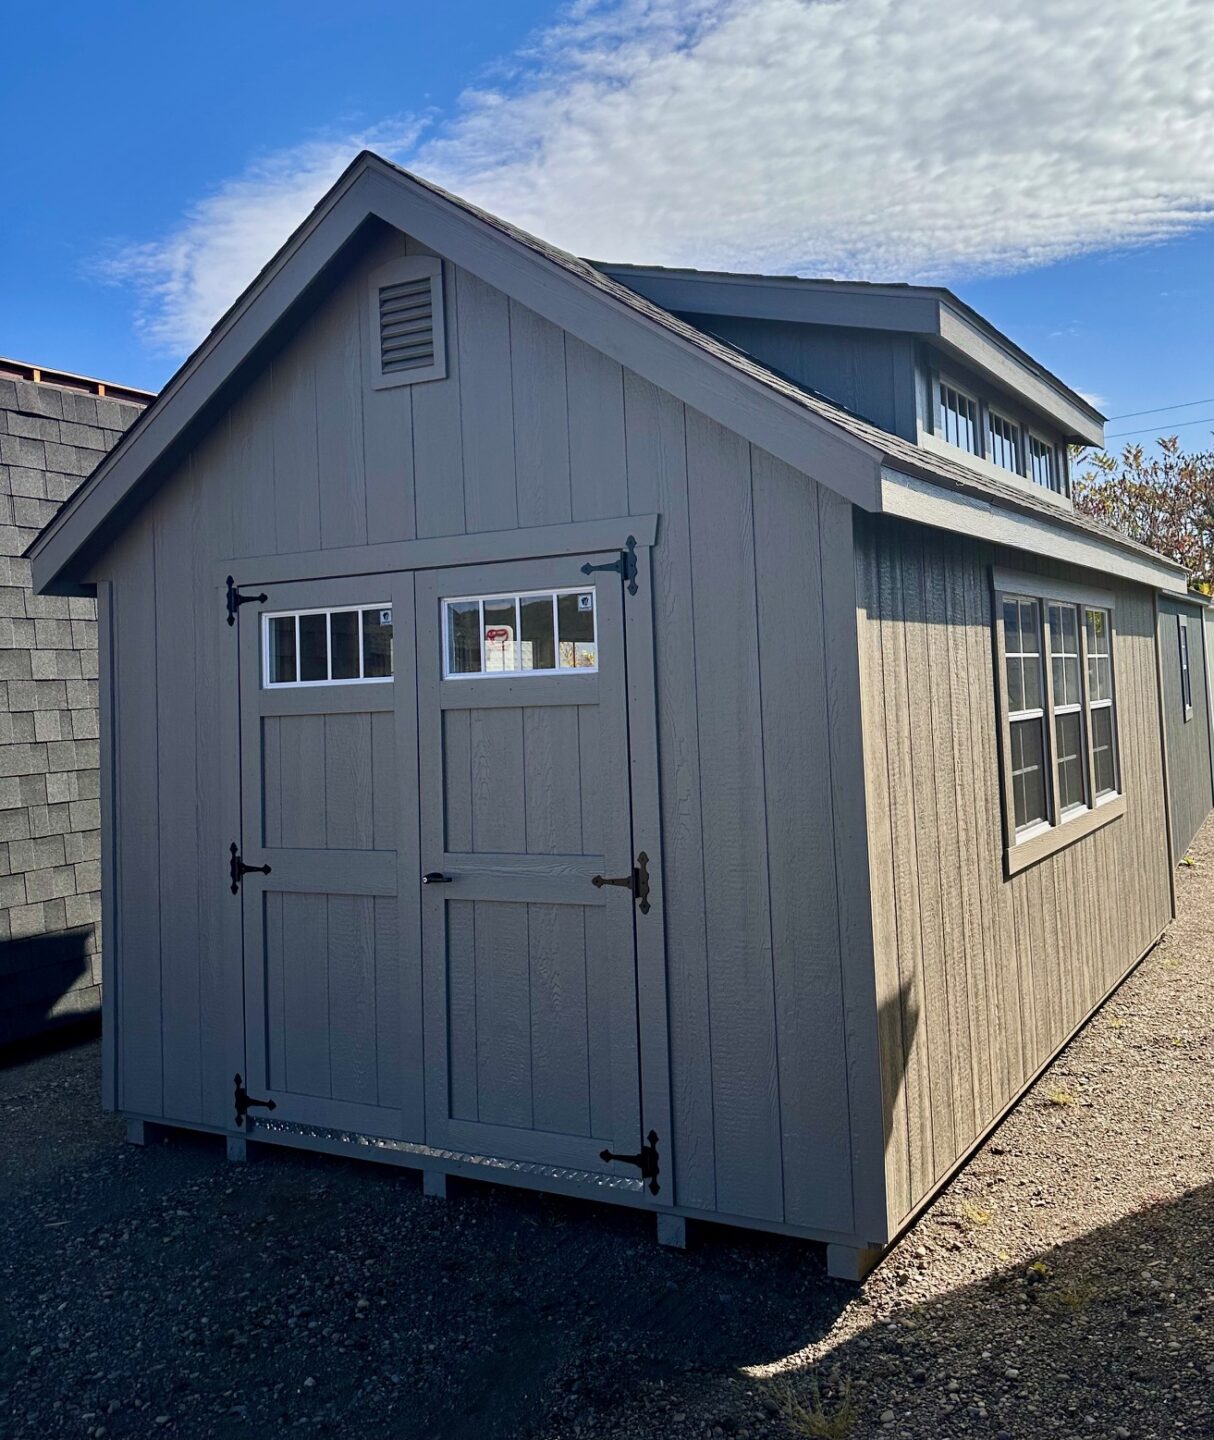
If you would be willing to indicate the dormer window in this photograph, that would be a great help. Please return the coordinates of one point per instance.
(1043, 465)
(957, 418)
(1003, 441)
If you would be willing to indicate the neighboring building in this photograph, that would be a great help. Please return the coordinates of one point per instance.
(623, 770)
(1184, 676)
(54, 427)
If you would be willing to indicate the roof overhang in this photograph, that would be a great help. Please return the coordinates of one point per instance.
(545, 280)
(927, 312)
(913, 498)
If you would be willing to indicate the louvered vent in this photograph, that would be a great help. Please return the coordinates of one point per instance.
(406, 325)
(407, 322)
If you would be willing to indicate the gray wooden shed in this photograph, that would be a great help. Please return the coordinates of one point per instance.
(1185, 681)
(545, 742)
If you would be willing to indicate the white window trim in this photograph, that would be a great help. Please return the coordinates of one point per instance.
(1028, 845)
(328, 611)
(1185, 658)
(938, 417)
(517, 596)
(1057, 463)
(993, 415)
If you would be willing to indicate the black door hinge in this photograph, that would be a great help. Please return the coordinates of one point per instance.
(238, 869)
(646, 1160)
(637, 882)
(236, 600)
(625, 566)
(245, 1102)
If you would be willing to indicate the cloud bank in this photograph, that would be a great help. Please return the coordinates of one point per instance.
(882, 139)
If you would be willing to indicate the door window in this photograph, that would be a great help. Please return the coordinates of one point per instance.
(327, 647)
(548, 632)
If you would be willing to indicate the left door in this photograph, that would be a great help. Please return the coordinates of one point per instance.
(322, 762)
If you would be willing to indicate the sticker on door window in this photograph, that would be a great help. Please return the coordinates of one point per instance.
(327, 647)
(547, 632)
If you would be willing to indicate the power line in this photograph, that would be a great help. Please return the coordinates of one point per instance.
(1159, 409)
(1147, 429)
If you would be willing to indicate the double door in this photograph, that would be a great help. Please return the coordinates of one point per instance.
(441, 891)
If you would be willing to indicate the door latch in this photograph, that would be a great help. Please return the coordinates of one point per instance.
(238, 869)
(637, 883)
(245, 1102)
(646, 1160)
(236, 600)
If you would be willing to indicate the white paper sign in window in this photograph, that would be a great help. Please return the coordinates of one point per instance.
(328, 647)
(547, 632)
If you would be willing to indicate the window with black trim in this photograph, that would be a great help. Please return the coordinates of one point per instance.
(1186, 678)
(1058, 708)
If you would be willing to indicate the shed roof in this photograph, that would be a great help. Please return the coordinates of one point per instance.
(840, 450)
(930, 311)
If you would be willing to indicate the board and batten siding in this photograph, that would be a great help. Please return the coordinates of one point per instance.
(757, 714)
(980, 978)
(1189, 770)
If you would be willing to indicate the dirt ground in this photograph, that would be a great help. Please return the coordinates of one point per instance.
(1063, 1286)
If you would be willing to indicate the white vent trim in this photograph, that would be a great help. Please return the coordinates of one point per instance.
(406, 334)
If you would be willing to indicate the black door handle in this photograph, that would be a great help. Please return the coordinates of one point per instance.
(436, 877)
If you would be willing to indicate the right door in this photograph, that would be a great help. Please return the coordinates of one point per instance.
(529, 964)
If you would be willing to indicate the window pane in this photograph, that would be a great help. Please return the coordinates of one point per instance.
(1033, 699)
(313, 647)
(575, 620)
(343, 637)
(1015, 685)
(282, 650)
(538, 647)
(1041, 456)
(1064, 649)
(1102, 750)
(1186, 684)
(1071, 789)
(1028, 772)
(464, 637)
(1004, 438)
(499, 636)
(377, 643)
(1011, 626)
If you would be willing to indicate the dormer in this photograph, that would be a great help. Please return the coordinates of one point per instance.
(914, 360)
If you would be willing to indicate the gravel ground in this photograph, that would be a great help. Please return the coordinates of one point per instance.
(1062, 1286)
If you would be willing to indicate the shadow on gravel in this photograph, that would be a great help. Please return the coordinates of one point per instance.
(1118, 1326)
(161, 1290)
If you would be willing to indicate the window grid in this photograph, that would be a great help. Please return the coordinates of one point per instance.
(1043, 465)
(1066, 667)
(565, 651)
(1186, 678)
(1060, 745)
(959, 418)
(273, 654)
(1026, 711)
(1003, 439)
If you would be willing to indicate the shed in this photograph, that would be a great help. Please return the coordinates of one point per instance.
(1185, 682)
(543, 742)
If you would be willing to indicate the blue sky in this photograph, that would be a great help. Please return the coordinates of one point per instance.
(155, 157)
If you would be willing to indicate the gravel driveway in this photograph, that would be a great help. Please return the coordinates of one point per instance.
(1063, 1285)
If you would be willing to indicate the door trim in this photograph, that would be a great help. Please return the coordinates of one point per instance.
(442, 552)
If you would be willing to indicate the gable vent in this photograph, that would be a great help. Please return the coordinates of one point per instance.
(407, 322)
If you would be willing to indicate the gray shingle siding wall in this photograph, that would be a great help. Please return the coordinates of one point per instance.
(50, 838)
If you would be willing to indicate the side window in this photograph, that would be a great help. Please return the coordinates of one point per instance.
(327, 647)
(1186, 678)
(553, 632)
(1059, 711)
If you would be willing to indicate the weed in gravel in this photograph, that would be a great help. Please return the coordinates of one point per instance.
(1068, 1296)
(829, 1417)
(974, 1215)
(1060, 1097)
(1117, 1022)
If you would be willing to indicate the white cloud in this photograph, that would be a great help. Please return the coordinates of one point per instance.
(880, 138)
(899, 139)
(187, 279)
